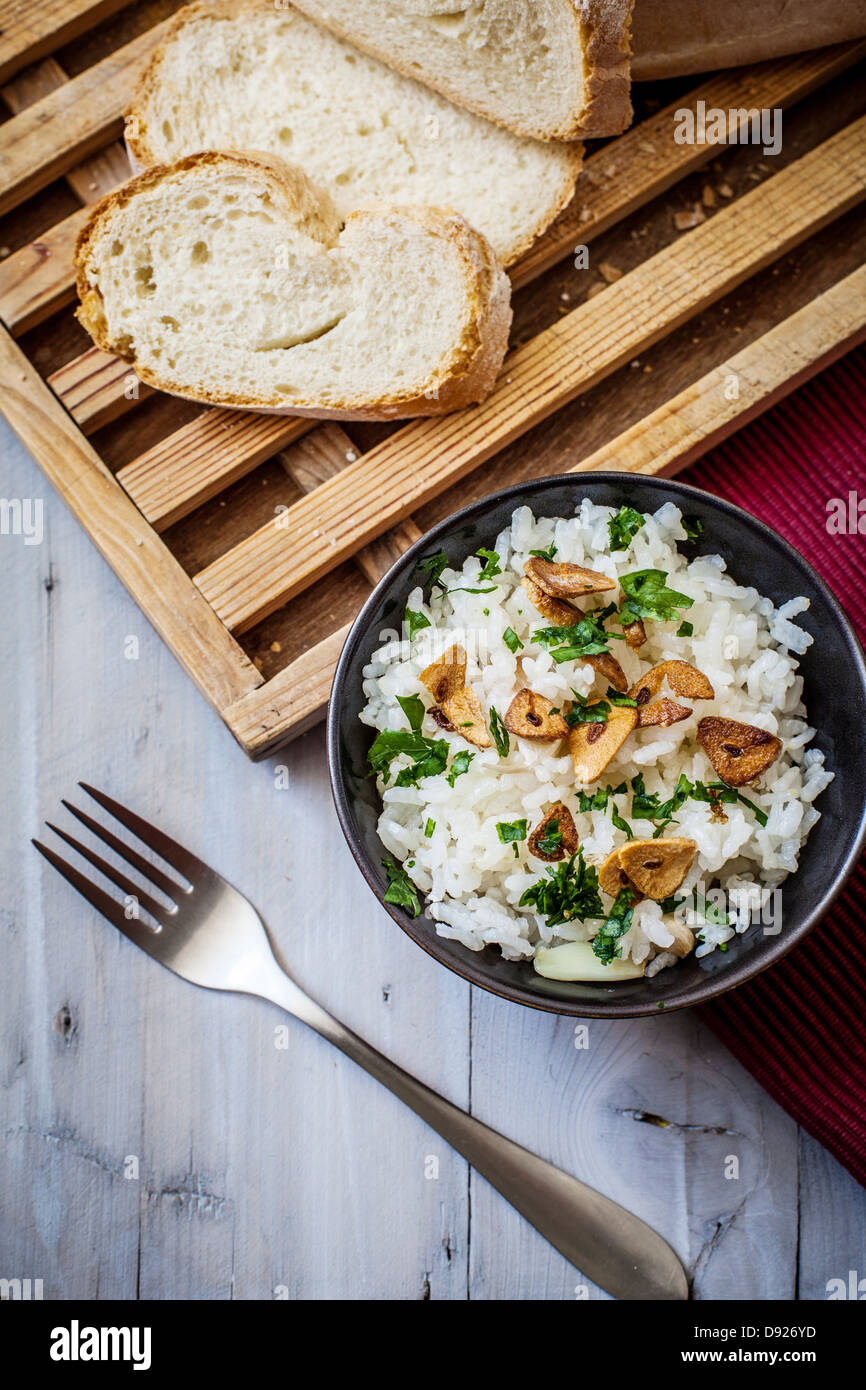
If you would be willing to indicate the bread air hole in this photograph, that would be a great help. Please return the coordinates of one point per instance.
(200, 253)
(285, 135)
(117, 248)
(144, 281)
(199, 201)
(168, 130)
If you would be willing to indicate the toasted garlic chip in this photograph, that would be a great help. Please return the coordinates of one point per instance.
(662, 713)
(556, 609)
(565, 580)
(683, 679)
(465, 717)
(657, 867)
(738, 752)
(635, 635)
(592, 746)
(612, 876)
(531, 716)
(446, 675)
(607, 665)
(560, 817)
(683, 937)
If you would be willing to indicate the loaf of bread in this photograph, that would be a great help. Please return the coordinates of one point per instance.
(553, 69)
(226, 278)
(244, 74)
(672, 37)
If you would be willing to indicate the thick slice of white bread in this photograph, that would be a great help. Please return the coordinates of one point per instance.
(244, 74)
(226, 278)
(552, 69)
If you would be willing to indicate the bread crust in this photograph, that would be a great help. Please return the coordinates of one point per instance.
(671, 38)
(602, 39)
(466, 378)
(141, 153)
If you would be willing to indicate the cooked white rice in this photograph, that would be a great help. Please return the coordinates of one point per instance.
(470, 879)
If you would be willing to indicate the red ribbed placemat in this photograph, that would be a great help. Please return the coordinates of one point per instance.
(805, 1045)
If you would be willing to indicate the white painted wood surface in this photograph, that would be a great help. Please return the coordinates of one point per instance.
(286, 1172)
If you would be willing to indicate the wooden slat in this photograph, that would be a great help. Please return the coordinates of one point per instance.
(201, 458)
(420, 461)
(31, 28)
(322, 455)
(96, 388)
(162, 590)
(70, 124)
(669, 439)
(97, 175)
(31, 289)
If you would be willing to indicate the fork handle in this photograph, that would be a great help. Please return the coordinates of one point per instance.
(608, 1244)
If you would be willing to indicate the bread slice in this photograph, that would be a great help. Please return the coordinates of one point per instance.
(226, 278)
(246, 74)
(552, 69)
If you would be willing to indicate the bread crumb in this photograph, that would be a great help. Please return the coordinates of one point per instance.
(635, 363)
(594, 290)
(609, 272)
(647, 368)
(351, 456)
(685, 220)
(726, 190)
(4, 252)
(565, 296)
(708, 197)
(646, 146)
(585, 214)
(275, 647)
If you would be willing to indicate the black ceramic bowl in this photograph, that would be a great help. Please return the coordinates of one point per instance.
(835, 694)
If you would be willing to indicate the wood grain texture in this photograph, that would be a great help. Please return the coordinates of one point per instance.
(168, 600)
(96, 388)
(30, 288)
(266, 1170)
(665, 442)
(68, 125)
(420, 460)
(31, 28)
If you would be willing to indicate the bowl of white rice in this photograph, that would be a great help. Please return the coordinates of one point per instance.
(594, 744)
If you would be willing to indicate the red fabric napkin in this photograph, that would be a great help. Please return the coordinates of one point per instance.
(807, 1047)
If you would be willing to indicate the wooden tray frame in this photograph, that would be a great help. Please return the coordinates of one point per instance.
(357, 505)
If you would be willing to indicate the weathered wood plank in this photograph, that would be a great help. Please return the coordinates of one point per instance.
(31, 28)
(164, 593)
(96, 388)
(421, 460)
(68, 125)
(30, 288)
(665, 442)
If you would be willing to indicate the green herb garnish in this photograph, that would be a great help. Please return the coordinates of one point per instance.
(459, 766)
(569, 892)
(415, 622)
(623, 527)
(685, 629)
(511, 640)
(492, 566)
(617, 699)
(693, 527)
(615, 925)
(701, 906)
(500, 733)
(551, 840)
(582, 712)
(429, 828)
(511, 830)
(647, 596)
(581, 639)
(432, 567)
(413, 709)
(545, 554)
(401, 890)
(429, 756)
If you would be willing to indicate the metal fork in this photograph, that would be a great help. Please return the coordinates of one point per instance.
(212, 936)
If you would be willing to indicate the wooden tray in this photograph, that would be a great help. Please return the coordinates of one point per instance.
(719, 280)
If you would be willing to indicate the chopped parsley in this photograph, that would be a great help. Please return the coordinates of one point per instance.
(584, 638)
(545, 554)
(429, 756)
(500, 733)
(432, 567)
(617, 699)
(701, 906)
(582, 712)
(415, 622)
(647, 596)
(511, 640)
(492, 566)
(510, 832)
(619, 822)
(685, 629)
(615, 925)
(623, 527)
(465, 589)
(429, 828)
(693, 527)
(600, 799)
(650, 807)
(459, 766)
(567, 893)
(401, 890)
(551, 840)
(716, 792)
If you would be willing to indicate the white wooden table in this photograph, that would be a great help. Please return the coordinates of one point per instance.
(159, 1141)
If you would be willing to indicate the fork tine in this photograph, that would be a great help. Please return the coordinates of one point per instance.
(174, 854)
(156, 910)
(150, 871)
(134, 929)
